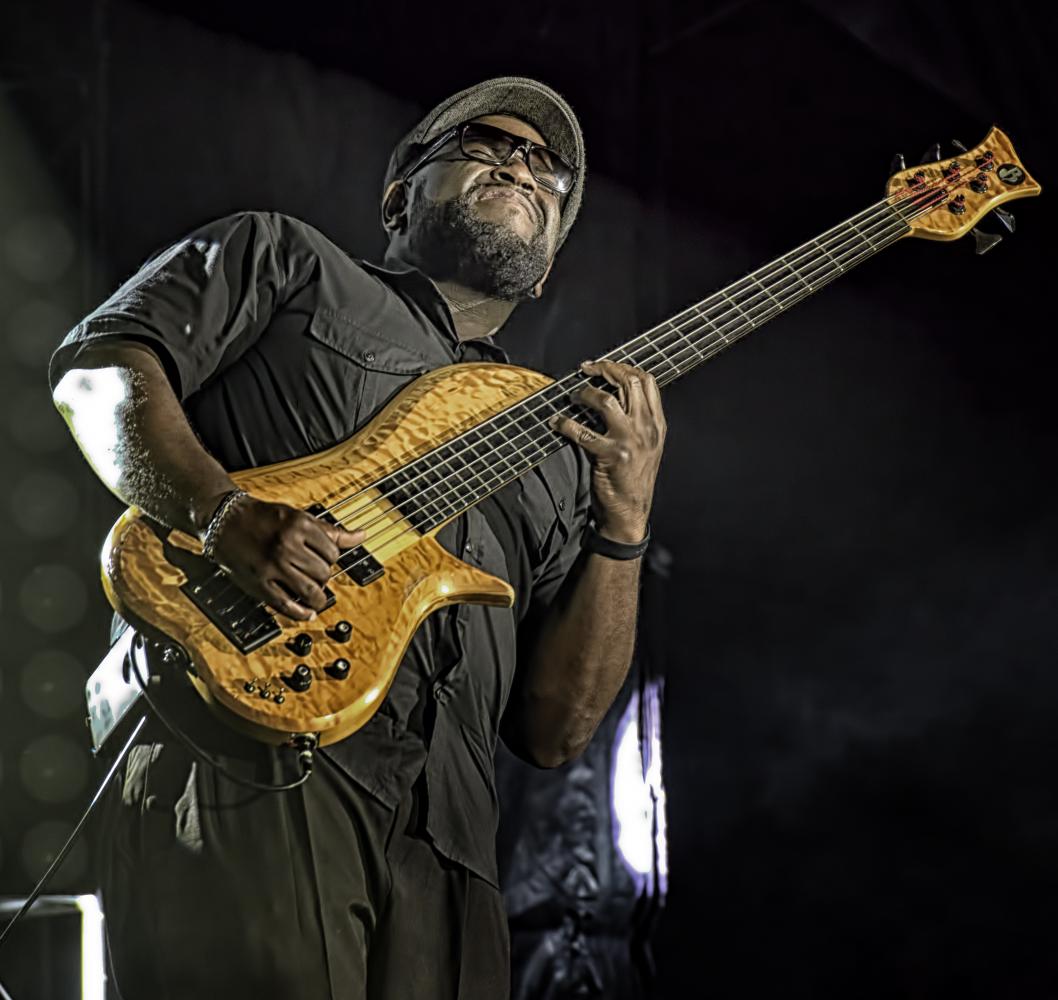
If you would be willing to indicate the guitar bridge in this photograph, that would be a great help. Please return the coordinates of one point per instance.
(358, 564)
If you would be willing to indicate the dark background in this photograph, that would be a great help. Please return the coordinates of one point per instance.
(860, 730)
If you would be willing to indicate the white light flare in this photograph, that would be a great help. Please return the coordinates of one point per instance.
(638, 796)
(94, 419)
(93, 969)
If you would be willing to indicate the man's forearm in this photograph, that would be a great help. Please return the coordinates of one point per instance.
(130, 426)
(578, 661)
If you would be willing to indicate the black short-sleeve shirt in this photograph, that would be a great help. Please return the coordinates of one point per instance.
(279, 344)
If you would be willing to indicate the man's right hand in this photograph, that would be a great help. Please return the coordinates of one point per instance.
(281, 555)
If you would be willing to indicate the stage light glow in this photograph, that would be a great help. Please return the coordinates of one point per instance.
(41, 845)
(53, 768)
(43, 504)
(32, 421)
(39, 248)
(53, 683)
(34, 329)
(52, 598)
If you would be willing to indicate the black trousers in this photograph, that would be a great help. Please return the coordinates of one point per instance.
(321, 893)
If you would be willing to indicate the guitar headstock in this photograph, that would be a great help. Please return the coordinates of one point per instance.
(945, 199)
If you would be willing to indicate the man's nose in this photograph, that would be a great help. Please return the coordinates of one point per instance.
(516, 171)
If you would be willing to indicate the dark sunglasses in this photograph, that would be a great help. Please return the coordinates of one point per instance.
(489, 144)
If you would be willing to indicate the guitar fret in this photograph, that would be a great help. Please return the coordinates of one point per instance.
(836, 263)
(870, 242)
(712, 326)
(766, 292)
(738, 308)
(797, 274)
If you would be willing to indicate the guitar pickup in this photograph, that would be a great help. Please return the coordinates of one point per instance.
(245, 623)
(358, 564)
(242, 619)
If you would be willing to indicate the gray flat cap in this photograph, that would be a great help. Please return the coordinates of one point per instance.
(530, 100)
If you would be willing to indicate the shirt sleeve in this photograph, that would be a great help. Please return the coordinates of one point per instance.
(199, 303)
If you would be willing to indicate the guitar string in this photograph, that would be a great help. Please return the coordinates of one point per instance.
(517, 413)
(923, 198)
(696, 351)
(676, 331)
(926, 199)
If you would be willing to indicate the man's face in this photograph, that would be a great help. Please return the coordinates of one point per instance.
(490, 226)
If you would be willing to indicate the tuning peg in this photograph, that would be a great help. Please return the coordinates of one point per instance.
(1005, 217)
(898, 164)
(985, 241)
(932, 154)
(959, 146)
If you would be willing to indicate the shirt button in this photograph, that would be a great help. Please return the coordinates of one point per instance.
(150, 803)
(562, 503)
(440, 692)
(369, 356)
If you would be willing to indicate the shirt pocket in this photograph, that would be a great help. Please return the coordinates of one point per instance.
(548, 499)
(366, 368)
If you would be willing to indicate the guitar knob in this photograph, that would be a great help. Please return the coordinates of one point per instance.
(302, 644)
(301, 678)
(342, 631)
(339, 670)
(979, 184)
(957, 205)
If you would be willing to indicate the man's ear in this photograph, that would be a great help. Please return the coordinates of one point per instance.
(538, 289)
(395, 206)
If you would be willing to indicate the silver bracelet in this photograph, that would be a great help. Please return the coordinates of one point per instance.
(220, 515)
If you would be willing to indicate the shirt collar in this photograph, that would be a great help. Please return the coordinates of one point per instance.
(417, 286)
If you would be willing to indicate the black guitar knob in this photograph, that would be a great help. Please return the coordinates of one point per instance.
(342, 631)
(979, 184)
(339, 670)
(302, 644)
(957, 205)
(301, 678)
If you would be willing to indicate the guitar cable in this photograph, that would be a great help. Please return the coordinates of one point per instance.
(61, 856)
(304, 743)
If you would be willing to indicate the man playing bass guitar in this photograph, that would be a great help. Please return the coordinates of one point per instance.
(256, 340)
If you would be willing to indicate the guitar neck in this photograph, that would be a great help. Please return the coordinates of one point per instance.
(704, 329)
(463, 471)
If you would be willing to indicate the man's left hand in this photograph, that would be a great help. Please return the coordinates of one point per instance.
(625, 459)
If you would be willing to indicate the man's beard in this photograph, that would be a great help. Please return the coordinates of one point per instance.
(452, 242)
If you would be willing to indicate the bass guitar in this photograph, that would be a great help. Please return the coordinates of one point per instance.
(452, 437)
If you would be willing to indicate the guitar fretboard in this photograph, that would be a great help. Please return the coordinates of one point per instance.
(453, 477)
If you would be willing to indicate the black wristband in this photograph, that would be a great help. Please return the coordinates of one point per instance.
(594, 542)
